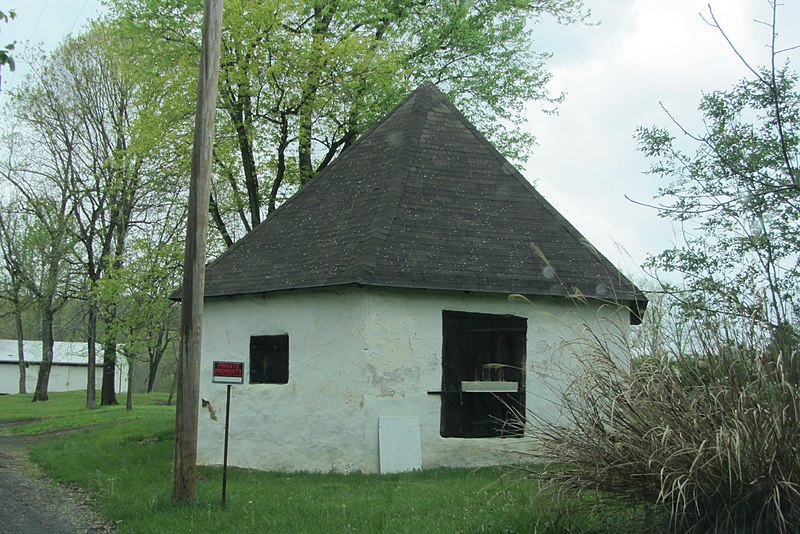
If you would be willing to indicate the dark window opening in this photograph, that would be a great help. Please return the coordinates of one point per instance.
(269, 359)
(483, 375)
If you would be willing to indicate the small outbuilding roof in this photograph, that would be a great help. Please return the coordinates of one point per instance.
(422, 200)
(64, 352)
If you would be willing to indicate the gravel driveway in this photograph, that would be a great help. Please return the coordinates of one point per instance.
(32, 504)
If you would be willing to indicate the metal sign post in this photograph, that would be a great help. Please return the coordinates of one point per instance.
(225, 454)
(229, 373)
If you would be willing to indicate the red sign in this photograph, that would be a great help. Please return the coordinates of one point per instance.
(228, 373)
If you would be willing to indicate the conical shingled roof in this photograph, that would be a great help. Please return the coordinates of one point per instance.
(422, 200)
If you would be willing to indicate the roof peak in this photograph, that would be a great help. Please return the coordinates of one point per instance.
(421, 200)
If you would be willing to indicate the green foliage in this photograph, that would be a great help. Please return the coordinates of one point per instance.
(5, 53)
(106, 121)
(138, 290)
(301, 79)
(13, 258)
(121, 180)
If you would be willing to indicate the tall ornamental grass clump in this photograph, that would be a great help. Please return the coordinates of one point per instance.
(707, 430)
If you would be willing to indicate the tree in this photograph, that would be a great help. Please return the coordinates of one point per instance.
(41, 153)
(107, 188)
(13, 251)
(5, 53)
(69, 89)
(48, 276)
(121, 184)
(147, 321)
(737, 198)
(301, 79)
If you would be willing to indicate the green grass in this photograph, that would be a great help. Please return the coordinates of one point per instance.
(67, 410)
(124, 460)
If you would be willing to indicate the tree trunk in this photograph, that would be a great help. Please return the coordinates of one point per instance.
(129, 396)
(237, 195)
(151, 375)
(323, 15)
(242, 119)
(304, 143)
(20, 351)
(218, 220)
(108, 396)
(155, 359)
(91, 369)
(171, 397)
(47, 354)
(281, 170)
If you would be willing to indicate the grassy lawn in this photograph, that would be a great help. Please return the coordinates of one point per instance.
(124, 460)
(66, 410)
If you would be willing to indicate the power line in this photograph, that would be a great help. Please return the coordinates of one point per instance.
(36, 25)
(79, 15)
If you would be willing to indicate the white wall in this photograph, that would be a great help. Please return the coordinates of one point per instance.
(62, 378)
(356, 354)
(67, 373)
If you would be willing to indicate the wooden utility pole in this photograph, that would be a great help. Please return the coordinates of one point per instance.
(184, 461)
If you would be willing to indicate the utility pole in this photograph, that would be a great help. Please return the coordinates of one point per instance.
(184, 461)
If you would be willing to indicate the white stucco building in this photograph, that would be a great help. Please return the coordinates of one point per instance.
(372, 309)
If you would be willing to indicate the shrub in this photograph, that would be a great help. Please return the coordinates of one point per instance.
(707, 430)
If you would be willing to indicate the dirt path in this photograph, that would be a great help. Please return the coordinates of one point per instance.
(30, 503)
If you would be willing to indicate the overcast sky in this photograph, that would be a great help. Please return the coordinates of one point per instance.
(643, 53)
(615, 75)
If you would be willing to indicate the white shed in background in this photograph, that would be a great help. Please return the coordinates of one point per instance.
(68, 372)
